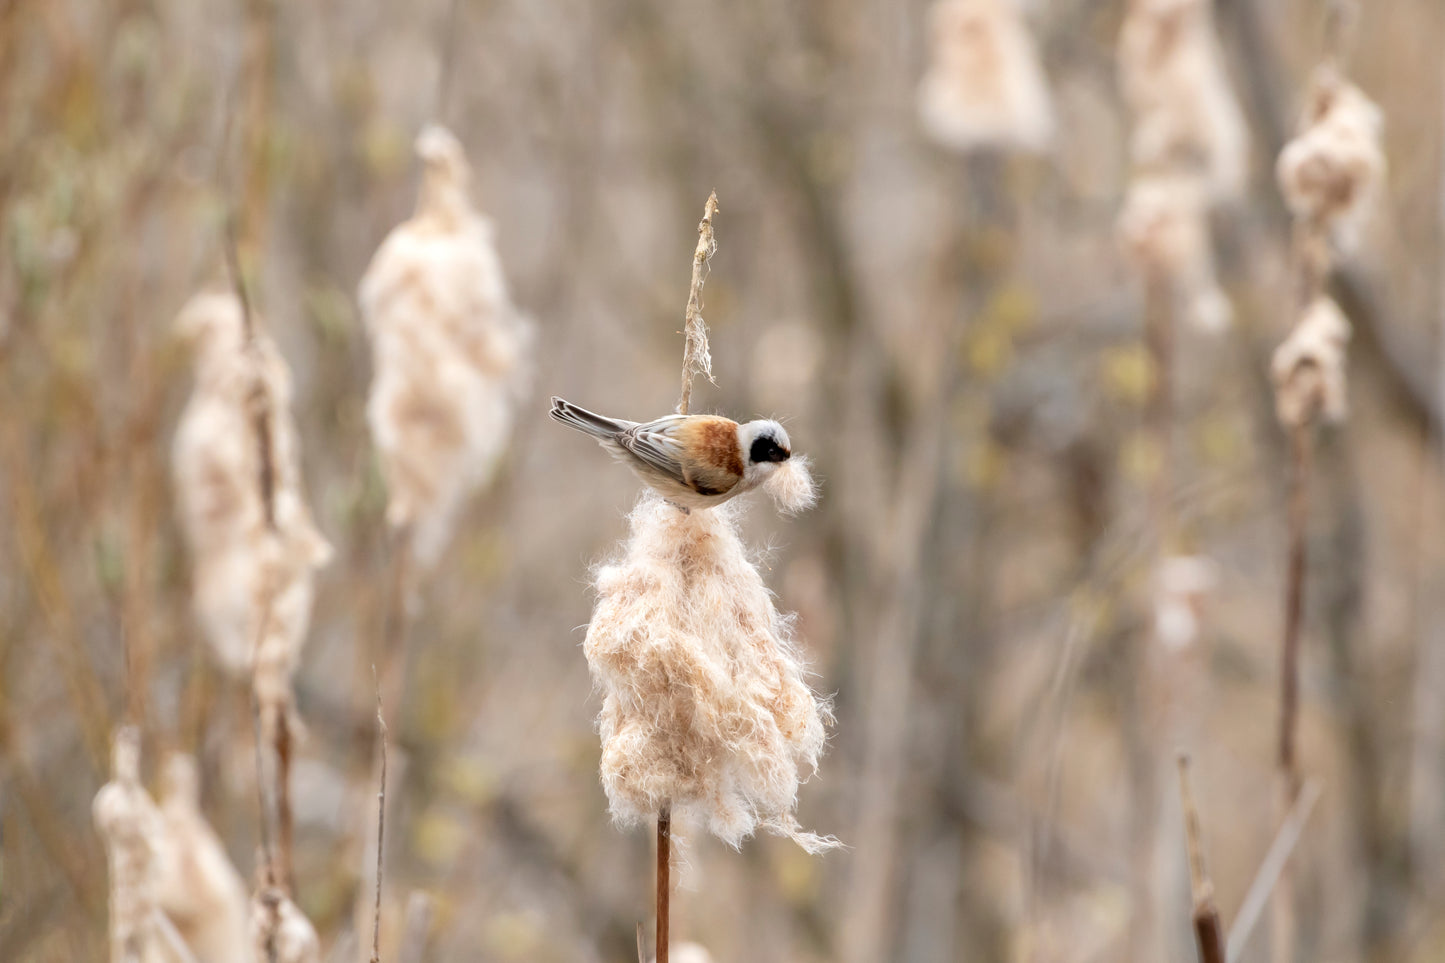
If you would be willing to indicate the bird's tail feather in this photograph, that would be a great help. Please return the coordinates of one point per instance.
(586, 421)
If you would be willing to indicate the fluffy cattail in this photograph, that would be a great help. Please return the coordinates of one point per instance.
(1186, 117)
(984, 87)
(199, 890)
(1332, 170)
(1182, 583)
(134, 833)
(705, 707)
(1164, 230)
(448, 348)
(217, 468)
(1308, 369)
(295, 939)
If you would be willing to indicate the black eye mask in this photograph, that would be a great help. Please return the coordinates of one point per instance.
(765, 449)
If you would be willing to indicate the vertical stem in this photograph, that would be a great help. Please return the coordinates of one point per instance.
(664, 881)
(695, 354)
(1208, 933)
(285, 872)
(1282, 938)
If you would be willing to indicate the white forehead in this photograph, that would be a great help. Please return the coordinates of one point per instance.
(764, 428)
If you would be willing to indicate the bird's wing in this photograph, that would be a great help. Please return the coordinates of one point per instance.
(654, 446)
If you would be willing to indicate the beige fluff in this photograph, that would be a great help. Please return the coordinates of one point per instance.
(1181, 586)
(134, 833)
(449, 351)
(984, 87)
(216, 467)
(791, 485)
(296, 939)
(1332, 171)
(704, 702)
(1308, 369)
(199, 890)
(1186, 117)
(1164, 230)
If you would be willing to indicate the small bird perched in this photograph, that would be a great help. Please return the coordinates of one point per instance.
(694, 461)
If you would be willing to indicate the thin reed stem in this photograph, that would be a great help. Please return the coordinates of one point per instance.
(695, 355)
(664, 878)
(1267, 877)
(380, 829)
(1282, 915)
(1208, 934)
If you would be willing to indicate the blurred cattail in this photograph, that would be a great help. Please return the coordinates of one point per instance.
(705, 707)
(450, 351)
(1186, 118)
(985, 87)
(1332, 170)
(1164, 230)
(134, 833)
(217, 464)
(1182, 583)
(1308, 368)
(199, 890)
(689, 953)
(275, 919)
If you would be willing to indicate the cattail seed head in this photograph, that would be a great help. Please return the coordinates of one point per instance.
(1332, 171)
(133, 832)
(985, 87)
(450, 351)
(1308, 368)
(1164, 231)
(704, 701)
(216, 465)
(200, 891)
(1186, 118)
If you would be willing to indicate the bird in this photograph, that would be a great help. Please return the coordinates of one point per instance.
(693, 461)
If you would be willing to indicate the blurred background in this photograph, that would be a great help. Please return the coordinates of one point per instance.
(955, 339)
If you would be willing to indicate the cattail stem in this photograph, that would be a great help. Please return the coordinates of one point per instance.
(1282, 914)
(664, 878)
(285, 823)
(695, 354)
(380, 830)
(1208, 933)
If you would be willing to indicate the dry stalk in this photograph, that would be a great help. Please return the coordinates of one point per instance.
(641, 951)
(696, 358)
(1268, 875)
(1207, 931)
(380, 829)
(664, 879)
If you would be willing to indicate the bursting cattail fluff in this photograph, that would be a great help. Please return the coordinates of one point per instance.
(216, 462)
(705, 705)
(133, 832)
(1164, 230)
(1331, 172)
(1308, 368)
(449, 351)
(1186, 117)
(1181, 586)
(984, 87)
(295, 939)
(200, 891)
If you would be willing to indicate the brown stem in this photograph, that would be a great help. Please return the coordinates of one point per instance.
(380, 829)
(285, 871)
(1208, 933)
(1301, 452)
(664, 882)
(695, 355)
(1301, 458)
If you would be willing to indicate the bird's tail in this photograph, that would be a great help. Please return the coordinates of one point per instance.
(586, 421)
